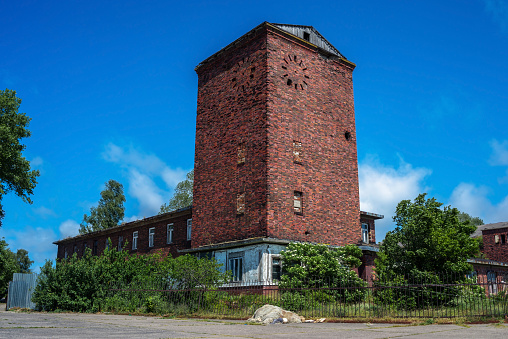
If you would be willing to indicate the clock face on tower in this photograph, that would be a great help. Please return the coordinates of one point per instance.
(243, 75)
(295, 72)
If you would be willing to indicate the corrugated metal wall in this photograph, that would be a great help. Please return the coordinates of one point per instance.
(20, 291)
(314, 37)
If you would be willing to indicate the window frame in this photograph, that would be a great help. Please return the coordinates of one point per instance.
(365, 232)
(189, 229)
(235, 266)
(120, 243)
(169, 233)
(298, 200)
(272, 271)
(151, 237)
(135, 236)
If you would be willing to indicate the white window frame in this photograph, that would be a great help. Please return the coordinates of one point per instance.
(135, 240)
(169, 236)
(189, 229)
(365, 233)
(272, 258)
(151, 236)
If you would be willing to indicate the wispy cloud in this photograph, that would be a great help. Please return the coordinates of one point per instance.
(383, 187)
(44, 212)
(142, 171)
(499, 157)
(36, 162)
(37, 241)
(473, 200)
(498, 9)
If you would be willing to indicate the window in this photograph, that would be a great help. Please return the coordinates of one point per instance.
(297, 152)
(120, 243)
(65, 253)
(240, 203)
(189, 229)
(236, 268)
(135, 240)
(107, 243)
(365, 233)
(151, 236)
(241, 154)
(496, 239)
(75, 249)
(306, 36)
(503, 239)
(85, 246)
(170, 234)
(298, 202)
(94, 249)
(276, 268)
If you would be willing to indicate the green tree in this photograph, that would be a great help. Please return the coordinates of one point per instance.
(109, 212)
(463, 217)
(182, 196)
(8, 266)
(427, 250)
(23, 261)
(15, 172)
(427, 238)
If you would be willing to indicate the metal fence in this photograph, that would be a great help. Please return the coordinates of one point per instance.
(404, 297)
(20, 291)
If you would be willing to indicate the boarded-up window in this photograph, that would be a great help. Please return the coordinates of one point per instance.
(241, 154)
(297, 152)
(298, 202)
(240, 203)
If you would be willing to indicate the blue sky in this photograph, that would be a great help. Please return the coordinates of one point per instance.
(111, 89)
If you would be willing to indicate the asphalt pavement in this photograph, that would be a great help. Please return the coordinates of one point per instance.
(78, 325)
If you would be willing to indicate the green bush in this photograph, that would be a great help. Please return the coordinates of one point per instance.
(117, 280)
(310, 266)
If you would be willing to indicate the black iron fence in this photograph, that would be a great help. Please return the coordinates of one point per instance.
(401, 297)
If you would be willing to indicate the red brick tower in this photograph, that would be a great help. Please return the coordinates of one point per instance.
(276, 141)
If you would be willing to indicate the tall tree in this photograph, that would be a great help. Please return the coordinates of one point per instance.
(427, 238)
(473, 220)
(109, 212)
(23, 261)
(15, 172)
(8, 266)
(182, 196)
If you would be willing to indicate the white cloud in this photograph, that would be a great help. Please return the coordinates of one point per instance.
(142, 172)
(37, 241)
(383, 187)
(146, 192)
(473, 200)
(68, 228)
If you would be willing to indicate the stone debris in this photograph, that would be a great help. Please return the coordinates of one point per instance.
(269, 314)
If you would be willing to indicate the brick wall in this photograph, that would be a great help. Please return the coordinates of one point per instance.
(311, 101)
(126, 231)
(493, 251)
(231, 114)
(245, 100)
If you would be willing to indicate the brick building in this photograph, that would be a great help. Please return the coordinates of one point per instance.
(493, 269)
(275, 159)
